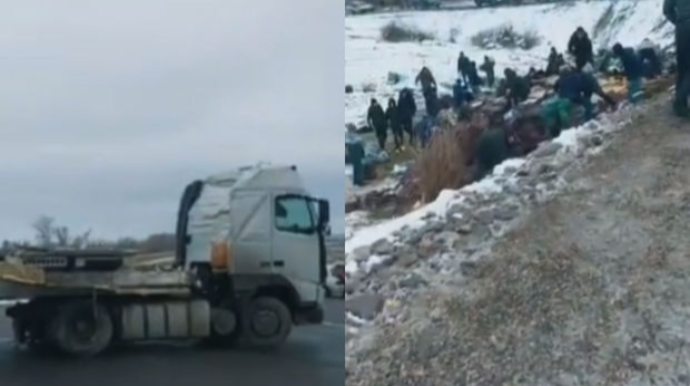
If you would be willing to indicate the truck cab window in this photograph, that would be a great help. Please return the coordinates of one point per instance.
(293, 214)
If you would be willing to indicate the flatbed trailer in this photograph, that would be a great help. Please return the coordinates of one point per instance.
(250, 264)
(19, 281)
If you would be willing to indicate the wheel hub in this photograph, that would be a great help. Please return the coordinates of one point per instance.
(224, 321)
(265, 323)
(84, 327)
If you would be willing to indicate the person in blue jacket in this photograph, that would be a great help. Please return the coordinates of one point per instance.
(461, 94)
(632, 66)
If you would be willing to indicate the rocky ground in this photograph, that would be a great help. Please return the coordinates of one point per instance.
(573, 272)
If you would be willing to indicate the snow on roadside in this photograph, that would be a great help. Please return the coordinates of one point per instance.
(368, 59)
(563, 150)
(10, 303)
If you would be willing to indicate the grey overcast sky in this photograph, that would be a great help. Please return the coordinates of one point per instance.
(108, 108)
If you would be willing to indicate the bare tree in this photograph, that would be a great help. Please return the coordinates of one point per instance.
(49, 234)
(44, 226)
(81, 241)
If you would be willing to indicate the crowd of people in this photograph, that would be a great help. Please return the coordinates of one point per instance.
(576, 84)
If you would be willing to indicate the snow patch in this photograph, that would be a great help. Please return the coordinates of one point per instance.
(496, 183)
(368, 59)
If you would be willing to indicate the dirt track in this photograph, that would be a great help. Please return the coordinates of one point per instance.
(591, 288)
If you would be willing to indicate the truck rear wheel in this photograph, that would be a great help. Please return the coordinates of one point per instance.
(82, 328)
(267, 323)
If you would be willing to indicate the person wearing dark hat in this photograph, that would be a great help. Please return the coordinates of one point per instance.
(678, 13)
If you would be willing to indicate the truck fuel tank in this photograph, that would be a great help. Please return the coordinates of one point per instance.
(166, 320)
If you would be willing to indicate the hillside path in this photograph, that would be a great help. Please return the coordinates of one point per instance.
(591, 288)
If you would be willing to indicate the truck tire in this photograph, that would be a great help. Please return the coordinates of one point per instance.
(82, 328)
(225, 329)
(36, 342)
(267, 323)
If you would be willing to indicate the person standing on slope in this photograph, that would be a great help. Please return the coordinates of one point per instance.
(426, 78)
(518, 87)
(407, 108)
(463, 67)
(678, 13)
(395, 123)
(580, 46)
(632, 66)
(377, 121)
(488, 68)
(475, 80)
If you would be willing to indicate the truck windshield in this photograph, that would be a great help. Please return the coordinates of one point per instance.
(294, 214)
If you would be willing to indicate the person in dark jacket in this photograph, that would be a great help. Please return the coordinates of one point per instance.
(355, 154)
(377, 120)
(463, 67)
(651, 63)
(632, 66)
(426, 78)
(488, 68)
(580, 46)
(590, 86)
(431, 101)
(678, 13)
(461, 94)
(424, 128)
(395, 123)
(554, 62)
(473, 76)
(493, 147)
(407, 107)
(518, 88)
(556, 113)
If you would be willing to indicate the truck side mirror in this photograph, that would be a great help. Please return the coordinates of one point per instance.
(324, 213)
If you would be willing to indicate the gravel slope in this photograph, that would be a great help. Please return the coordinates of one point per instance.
(591, 287)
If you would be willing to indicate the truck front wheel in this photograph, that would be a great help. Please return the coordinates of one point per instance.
(82, 328)
(225, 330)
(268, 322)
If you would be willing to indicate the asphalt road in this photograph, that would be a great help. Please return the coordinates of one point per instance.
(312, 356)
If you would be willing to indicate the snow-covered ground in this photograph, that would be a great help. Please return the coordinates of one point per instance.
(368, 59)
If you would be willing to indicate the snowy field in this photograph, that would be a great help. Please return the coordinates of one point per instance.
(368, 59)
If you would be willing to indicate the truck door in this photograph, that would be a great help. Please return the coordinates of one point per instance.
(296, 243)
(251, 232)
